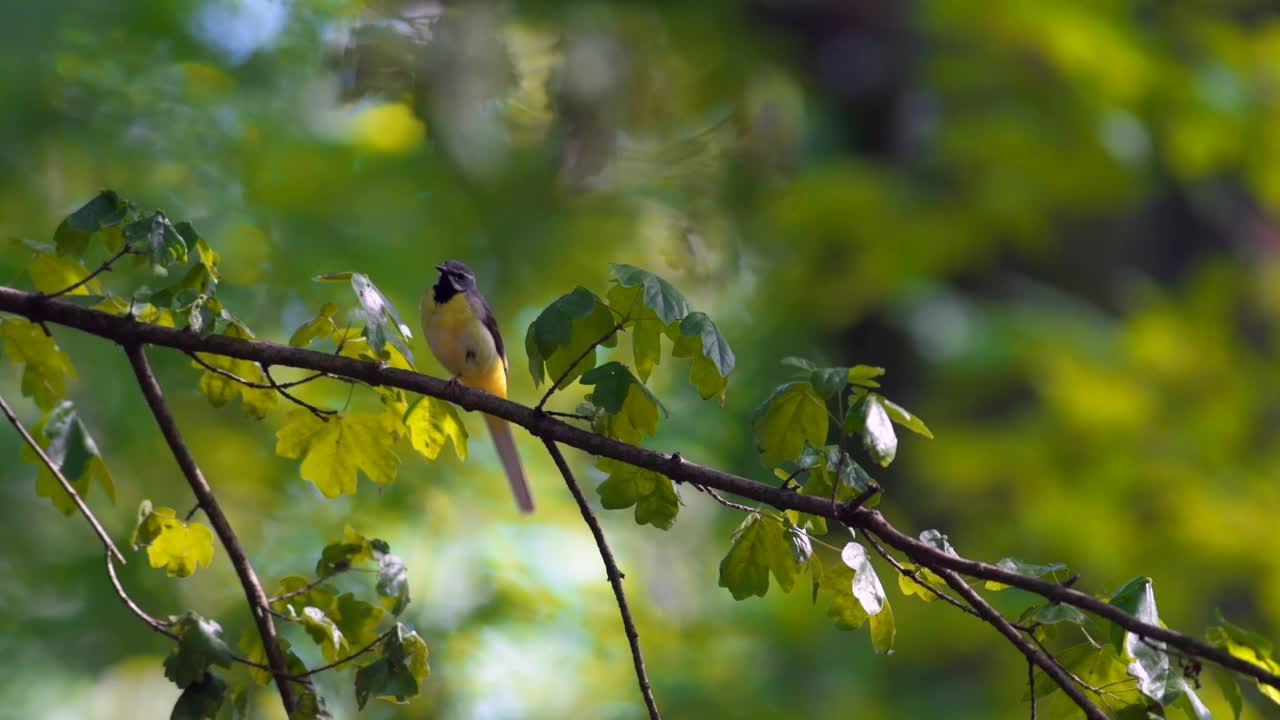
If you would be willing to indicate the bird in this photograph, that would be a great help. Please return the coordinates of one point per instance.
(462, 332)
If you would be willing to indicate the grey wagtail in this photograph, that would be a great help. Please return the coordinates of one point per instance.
(463, 335)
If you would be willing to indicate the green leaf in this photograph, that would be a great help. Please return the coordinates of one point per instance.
(653, 494)
(201, 700)
(104, 210)
(877, 432)
(358, 620)
(200, 645)
(220, 389)
(655, 293)
(397, 675)
(801, 545)
(69, 446)
(321, 596)
(1248, 646)
(829, 381)
(322, 326)
(713, 359)
(759, 547)
(863, 374)
(792, 416)
(432, 422)
(1024, 568)
(383, 323)
(1098, 667)
(353, 549)
(159, 237)
(54, 273)
(899, 414)
(324, 631)
(1230, 690)
(883, 630)
(251, 646)
(646, 346)
(632, 409)
(801, 364)
(1058, 613)
(332, 452)
(1158, 676)
(393, 583)
(845, 610)
(570, 325)
(178, 547)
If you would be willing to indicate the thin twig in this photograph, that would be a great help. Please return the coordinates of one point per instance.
(258, 385)
(1024, 646)
(105, 266)
(571, 416)
(792, 477)
(162, 626)
(158, 625)
(350, 657)
(321, 413)
(62, 480)
(204, 494)
(1031, 680)
(875, 545)
(590, 349)
(614, 575)
(294, 593)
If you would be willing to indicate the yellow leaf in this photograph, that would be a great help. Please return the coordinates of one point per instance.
(333, 452)
(387, 128)
(51, 273)
(432, 421)
(47, 367)
(180, 548)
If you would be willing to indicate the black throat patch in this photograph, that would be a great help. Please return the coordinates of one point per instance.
(442, 291)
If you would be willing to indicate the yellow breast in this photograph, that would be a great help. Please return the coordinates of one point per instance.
(461, 342)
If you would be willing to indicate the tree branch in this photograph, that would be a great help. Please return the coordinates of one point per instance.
(252, 588)
(62, 480)
(615, 576)
(127, 331)
(1024, 646)
(590, 348)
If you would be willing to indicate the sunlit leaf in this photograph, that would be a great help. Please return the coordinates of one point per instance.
(383, 322)
(668, 303)
(570, 325)
(792, 416)
(1158, 675)
(652, 494)
(255, 401)
(354, 548)
(632, 409)
(52, 273)
(845, 611)
(938, 541)
(322, 326)
(713, 359)
(877, 432)
(759, 547)
(1248, 646)
(358, 620)
(863, 375)
(866, 584)
(177, 546)
(1054, 613)
(431, 423)
(393, 580)
(333, 452)
(883, 630)
(926, 584)
(899, 414)
(199, 646)
(324, 631)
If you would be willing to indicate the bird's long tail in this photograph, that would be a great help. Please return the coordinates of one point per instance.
(506, 445)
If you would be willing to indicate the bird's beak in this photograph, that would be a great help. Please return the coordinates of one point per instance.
(440, 268)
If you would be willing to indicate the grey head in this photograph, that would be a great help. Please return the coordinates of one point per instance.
(455, 277)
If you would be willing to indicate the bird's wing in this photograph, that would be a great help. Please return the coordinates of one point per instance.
(491, 324)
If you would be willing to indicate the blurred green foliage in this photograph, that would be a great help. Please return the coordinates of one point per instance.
(1054, 222)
